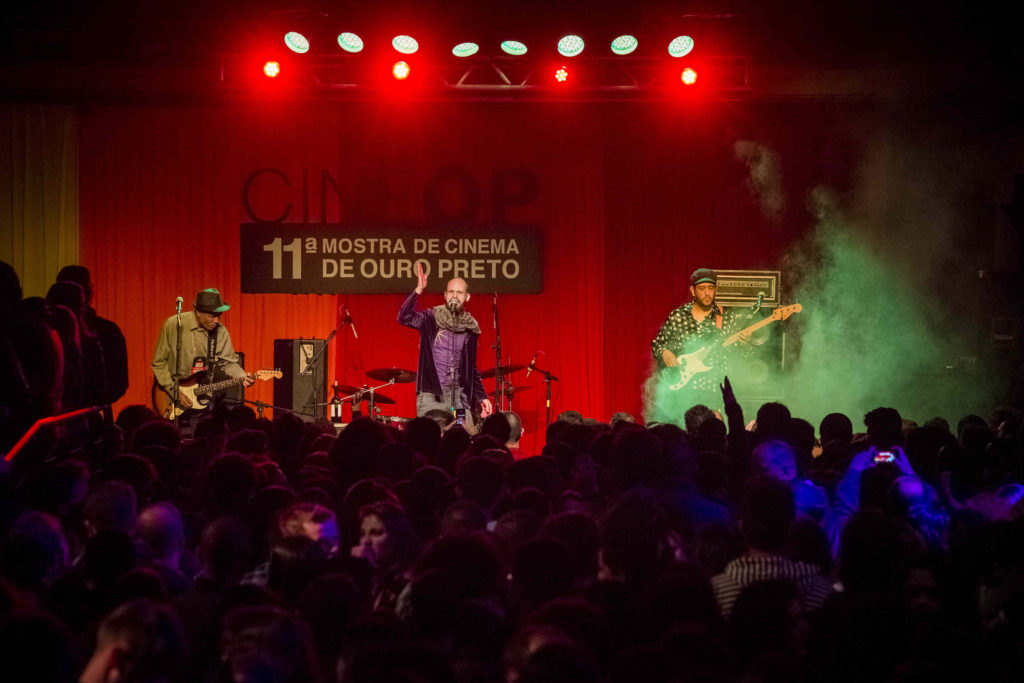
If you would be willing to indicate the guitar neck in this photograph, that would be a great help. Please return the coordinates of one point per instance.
(732, 339)
(217, 386)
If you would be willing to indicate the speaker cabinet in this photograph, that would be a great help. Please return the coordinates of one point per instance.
(758, 376)
(303, 384)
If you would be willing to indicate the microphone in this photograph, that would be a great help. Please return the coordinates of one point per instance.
(760, 300)
(533, 364)
(177, 304)
(348, 319)
(453, 305)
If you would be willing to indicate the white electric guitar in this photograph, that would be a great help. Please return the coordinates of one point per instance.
(691, 364)
(198, 393)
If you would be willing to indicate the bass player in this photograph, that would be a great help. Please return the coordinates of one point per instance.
(699, 323)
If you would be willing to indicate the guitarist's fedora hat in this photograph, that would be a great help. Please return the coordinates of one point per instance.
(209, 301)
(703, 275)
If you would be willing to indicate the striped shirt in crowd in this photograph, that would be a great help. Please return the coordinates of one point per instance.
(748, 569)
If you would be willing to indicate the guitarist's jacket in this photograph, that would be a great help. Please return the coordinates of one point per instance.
(194, 341)
(681, 334)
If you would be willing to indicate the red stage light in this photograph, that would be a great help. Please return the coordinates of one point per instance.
(561, 74)
(689, 76)
(271, 69)
(400, 71)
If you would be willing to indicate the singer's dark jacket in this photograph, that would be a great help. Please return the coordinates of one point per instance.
(427, 381)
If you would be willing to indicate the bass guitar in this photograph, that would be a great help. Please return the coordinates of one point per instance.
(198, 393)
(691, 364)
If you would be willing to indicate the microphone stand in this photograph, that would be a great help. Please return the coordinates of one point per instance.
(260, 405)
(499, 378)
(311, 366)
(360, 395)
(311, 363)
(175, 376)
(548, 379)
(373, 389)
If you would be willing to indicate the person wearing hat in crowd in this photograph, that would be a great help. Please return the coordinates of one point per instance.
(692, 326)
(205, 342)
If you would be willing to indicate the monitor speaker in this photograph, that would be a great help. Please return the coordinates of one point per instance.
(303, 384)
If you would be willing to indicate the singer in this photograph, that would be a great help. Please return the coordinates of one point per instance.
(204, 341)
(448, 378)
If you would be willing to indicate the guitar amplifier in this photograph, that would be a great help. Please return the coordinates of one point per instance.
(742, 287)
(759, 378)
(302, 385)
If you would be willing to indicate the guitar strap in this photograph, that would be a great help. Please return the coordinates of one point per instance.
(211, 350)
(718, 320)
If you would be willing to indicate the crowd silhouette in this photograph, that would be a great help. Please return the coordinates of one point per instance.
(259, 550)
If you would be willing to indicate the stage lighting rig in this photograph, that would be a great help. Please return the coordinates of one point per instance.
(329, 57)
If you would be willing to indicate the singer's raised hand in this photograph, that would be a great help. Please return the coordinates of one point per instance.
(421, 278)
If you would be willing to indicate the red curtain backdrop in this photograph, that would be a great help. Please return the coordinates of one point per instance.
(630, 200)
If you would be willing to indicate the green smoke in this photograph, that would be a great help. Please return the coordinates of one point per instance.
(887, 279)
(869, 338)
(891, 311)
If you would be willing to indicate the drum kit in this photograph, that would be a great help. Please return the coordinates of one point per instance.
(388, 376)
(395, 375)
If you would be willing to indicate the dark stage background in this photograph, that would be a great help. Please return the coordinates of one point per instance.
(630, 199)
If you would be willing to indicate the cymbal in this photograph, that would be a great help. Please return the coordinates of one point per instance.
(346, 390)
(387, 374)
(505, 369)
(379, 398)
(512, 391)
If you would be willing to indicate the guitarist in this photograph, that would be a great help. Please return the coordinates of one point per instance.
(691, 326)
(202, 337)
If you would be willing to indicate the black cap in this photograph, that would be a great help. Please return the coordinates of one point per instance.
(703, 275)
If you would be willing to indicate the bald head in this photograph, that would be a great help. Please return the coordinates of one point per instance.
(457, 283)
(456, 294)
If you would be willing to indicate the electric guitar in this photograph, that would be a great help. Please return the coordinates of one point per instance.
(197, 392)
(692, 364)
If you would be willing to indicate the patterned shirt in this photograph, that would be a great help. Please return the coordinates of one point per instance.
(747, 569)
(682, 333)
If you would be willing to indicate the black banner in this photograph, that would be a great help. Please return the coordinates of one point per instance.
(298, 258)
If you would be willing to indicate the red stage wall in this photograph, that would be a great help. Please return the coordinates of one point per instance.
(630, 200)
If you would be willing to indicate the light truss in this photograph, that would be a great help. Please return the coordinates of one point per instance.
(498, 78)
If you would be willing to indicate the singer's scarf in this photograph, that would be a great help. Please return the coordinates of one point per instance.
(463, 322)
